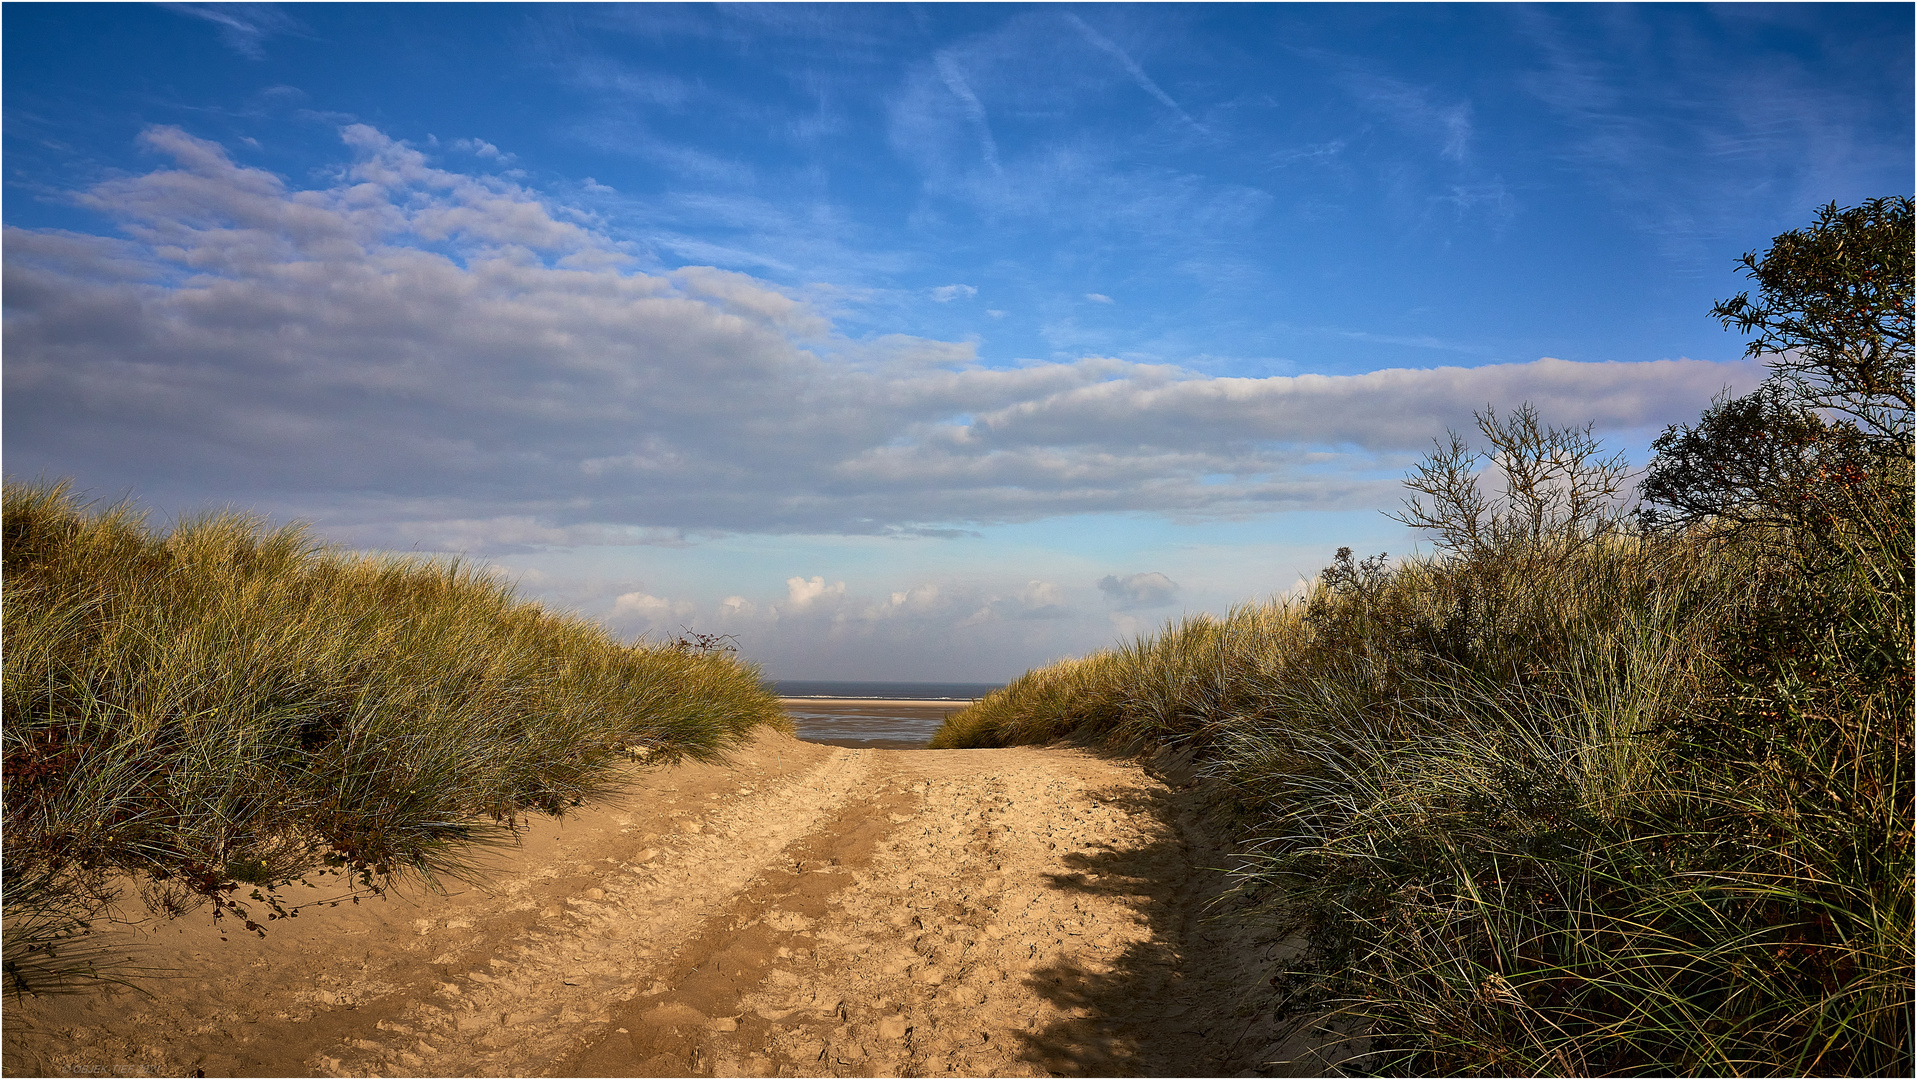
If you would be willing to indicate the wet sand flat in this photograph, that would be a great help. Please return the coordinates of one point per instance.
(869, 723)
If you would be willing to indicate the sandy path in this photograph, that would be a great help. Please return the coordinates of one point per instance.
(806, 910)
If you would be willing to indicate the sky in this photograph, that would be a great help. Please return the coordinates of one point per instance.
(900, 342)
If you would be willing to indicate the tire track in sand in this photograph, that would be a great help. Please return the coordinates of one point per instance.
(1011, 912)
(534, 998)
(804, 910)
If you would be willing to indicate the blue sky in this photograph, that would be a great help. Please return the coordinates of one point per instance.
(904, 342)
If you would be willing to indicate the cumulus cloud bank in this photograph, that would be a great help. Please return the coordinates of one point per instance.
(927, 630)
(1139, 590)
(650, 609)
(414, 355)
(804, 593)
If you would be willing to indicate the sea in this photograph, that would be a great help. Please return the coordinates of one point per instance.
(873, 715)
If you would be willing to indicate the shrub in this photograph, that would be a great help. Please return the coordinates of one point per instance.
(1562, 800)
(1629, 867)
(1575, 797)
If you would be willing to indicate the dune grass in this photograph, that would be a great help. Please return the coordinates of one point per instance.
(1683, 847)
(1570, 798)
(229, 707)
(1179, 685)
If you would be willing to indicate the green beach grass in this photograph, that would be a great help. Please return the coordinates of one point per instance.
(1589, 793)
(1566, 804)
(217, 711)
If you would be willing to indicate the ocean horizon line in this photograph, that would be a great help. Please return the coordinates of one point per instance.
(852, 690)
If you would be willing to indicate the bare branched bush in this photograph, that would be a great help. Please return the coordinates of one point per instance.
(1553, 484)
(1577, 797)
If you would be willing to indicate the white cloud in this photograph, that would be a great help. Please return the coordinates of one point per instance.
(419, 357)
(655, 611)
(481, 148)
(1099, 298)
(1398, 409)
(243, 27)
(1151, 589)
(954, 78)
(509, 533)
(968, 627)
(1042, 600)
(917, 598)
(1131, 67)
(814, 607)
(946, 293)
(964, 628)
(803, 593)
(1035, 600)
(1449, 126)
(751, 298)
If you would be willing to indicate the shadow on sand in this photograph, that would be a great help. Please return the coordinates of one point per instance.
(1192, 1000)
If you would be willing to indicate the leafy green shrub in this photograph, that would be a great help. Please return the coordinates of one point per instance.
(1834, 319)
(1575, 797)
(1629, 867)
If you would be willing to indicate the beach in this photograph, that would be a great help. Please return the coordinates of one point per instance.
(868, 723)
(801, 909)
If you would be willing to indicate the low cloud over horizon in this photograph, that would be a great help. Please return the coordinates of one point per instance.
(899, 341)
(418, 357)
(1151, 589)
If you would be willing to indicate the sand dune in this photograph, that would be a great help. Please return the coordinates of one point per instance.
(805, 910)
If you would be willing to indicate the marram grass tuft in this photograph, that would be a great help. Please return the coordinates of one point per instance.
(231, 707)
(1638, 803)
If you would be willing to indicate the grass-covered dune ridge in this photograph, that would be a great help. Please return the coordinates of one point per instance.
(1586, 792)
(1366, 632)
(1634, 804)
(1529, 595)
(230, 703)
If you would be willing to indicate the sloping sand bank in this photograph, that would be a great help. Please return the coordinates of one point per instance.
(805, 911)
